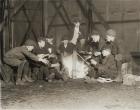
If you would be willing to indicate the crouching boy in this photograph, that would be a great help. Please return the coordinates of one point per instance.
(107, 68)
(18, 57)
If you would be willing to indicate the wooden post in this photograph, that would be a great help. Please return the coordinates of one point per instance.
(14, 13)
(52, 20)
(103, 22)
(1, 31)
(45, 17)
(107, 10)
(138, 30)
(84, 12)
(30, 24)
(122, 18)
(61, 15)
(66, 14)
(43, 20)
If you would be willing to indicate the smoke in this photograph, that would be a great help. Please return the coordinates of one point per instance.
(76, 68)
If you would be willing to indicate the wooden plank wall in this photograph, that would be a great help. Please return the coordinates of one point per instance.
(111, 10)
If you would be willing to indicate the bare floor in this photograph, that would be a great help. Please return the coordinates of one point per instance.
(72, 95)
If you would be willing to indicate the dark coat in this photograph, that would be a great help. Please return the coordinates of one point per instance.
(108, 67)
(95, 46)
(16, 55)
(82, 48)
(39, 50)
(52, 47)
(115, 47)
(69, 49)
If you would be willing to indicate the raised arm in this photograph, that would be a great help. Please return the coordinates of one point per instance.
(76, 33)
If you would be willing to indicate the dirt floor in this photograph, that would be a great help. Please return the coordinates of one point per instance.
(72, 95)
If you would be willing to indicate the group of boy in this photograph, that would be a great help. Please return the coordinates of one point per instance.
(43, 60)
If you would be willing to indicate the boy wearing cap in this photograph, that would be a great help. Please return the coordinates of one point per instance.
(44, 50)
(81, 45)
(95, 43)
(68, 46)
(107, 68)
(116, 49)
(68, 49)
(51, 49)
(94, 47)
(53, 59)
(18, 57)
(112, 42)
(41, 51)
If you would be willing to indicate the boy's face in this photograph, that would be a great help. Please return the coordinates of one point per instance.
(77, 24)
(50, 40)
(41, 43)
(30, 48)
(50, 50)
(65, 41)
(106, 52)
(110, 38)
(82, 41)
(95, 38)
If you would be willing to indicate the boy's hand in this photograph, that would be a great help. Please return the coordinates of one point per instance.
(97, 53)
(55, 65)
(45, 61)
(93, 62)
(52, 56)
(90, 53)
(118, 57)
(88, 57)
(101, 69)
(42, 55)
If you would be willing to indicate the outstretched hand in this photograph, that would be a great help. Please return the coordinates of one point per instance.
(43, 60)
(42, 55)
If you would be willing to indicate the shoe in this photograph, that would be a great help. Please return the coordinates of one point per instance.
(51, 76)
(65, 77)
(23, 80)
(118, 79)
(49, 80)
(104, 80)
(19, 82)
(2, 83)
(29, 79)
(90, 80)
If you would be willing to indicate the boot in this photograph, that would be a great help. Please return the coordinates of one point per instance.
(50, 77)
(29, 79)
(20, 82)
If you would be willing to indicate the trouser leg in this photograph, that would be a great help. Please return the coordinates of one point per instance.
(27, 73)
(92, 72)
(36, 72)
(119, 76)
(26, 68)
(20, 71)
(44, 70)
(57, 73)
(7, 73)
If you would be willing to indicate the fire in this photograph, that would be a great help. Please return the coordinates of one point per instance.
(76, 68)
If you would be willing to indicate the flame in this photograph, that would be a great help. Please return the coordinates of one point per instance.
(76, 68)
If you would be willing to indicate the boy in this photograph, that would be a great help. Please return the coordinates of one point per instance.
(116, 50)
(18, 56)
(107, 68)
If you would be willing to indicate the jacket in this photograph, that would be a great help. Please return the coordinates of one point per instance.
(20, 53)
